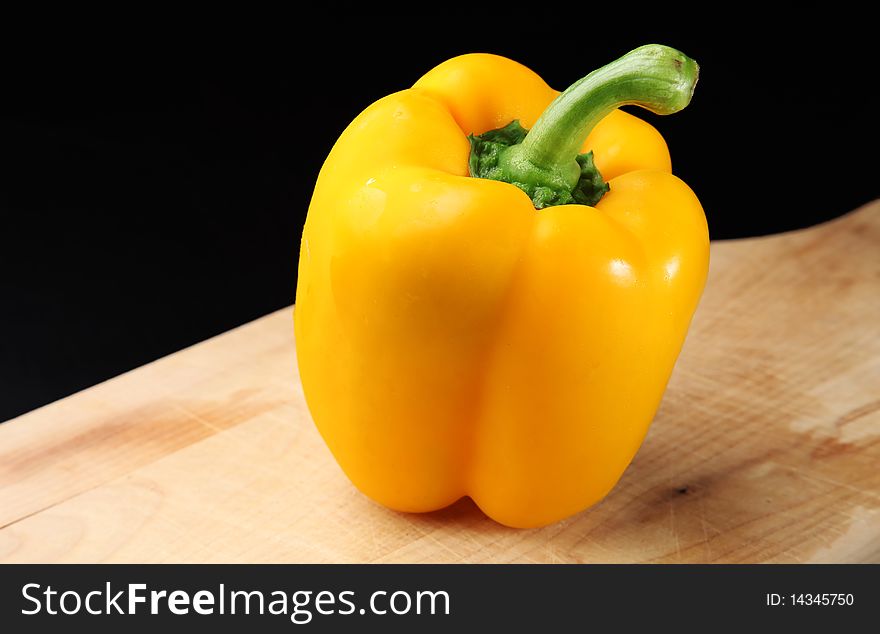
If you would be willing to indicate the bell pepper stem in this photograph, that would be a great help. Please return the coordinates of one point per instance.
(654, 77)
(546, 163)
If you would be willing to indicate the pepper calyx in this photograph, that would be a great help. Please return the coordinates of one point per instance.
(546, 162)
(489, 156)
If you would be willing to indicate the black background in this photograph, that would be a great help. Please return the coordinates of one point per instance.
(154, 187)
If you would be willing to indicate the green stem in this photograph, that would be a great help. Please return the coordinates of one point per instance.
(547, 163)
(657, 78)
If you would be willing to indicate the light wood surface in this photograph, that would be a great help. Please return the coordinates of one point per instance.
(766, 447)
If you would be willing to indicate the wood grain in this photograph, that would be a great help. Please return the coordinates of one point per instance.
(766, 447)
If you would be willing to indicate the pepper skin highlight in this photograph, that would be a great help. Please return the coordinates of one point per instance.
(465, 323)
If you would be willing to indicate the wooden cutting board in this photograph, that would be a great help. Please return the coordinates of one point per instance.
(766, 447)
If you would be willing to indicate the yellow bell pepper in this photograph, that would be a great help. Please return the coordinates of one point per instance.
(466, 323)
